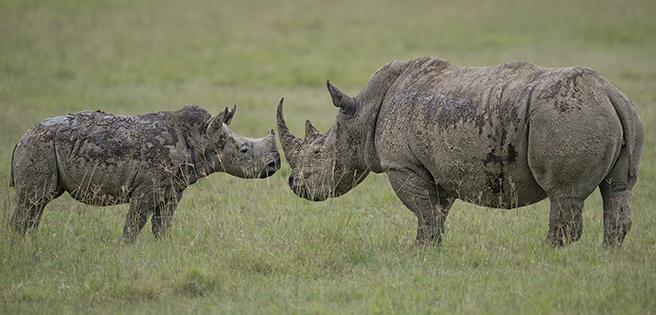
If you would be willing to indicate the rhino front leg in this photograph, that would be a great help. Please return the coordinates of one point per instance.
(565, 220)
(422, 198)
(140, 209)
(161, 219)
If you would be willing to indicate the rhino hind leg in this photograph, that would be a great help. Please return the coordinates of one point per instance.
(36, 185)
(30, 205)
(617, 214)
(565, 220)
(424, 199)
(616, 194)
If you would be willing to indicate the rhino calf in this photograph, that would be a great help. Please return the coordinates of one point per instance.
(504, 136)
(146, 160)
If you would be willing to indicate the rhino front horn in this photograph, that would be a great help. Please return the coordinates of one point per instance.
(290, 143)
(340, 99)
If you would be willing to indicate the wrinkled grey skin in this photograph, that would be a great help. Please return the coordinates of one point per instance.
(146, 160)
(504, 136)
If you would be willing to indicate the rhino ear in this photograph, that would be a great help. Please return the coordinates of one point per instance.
(229, 114)
(215, 123)
(340, 99)
(311, 133)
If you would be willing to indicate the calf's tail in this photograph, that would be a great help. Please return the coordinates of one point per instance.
(11, 176)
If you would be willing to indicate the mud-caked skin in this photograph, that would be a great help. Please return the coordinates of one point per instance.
(504, 136)
(146, 160)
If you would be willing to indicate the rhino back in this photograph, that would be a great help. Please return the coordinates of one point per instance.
(466, 128)
(112, 155)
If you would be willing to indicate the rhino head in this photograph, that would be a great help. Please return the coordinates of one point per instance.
(325, 165)
(237, 155)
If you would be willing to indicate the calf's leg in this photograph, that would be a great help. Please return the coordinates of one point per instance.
(140, 208)
(28, 211)
(32, 198)
(161, 219)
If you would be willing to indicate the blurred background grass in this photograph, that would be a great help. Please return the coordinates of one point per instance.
(240, 246)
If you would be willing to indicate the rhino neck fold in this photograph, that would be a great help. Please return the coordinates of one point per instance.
(191, 159)
(371, 99)
(368, 119)
(196, 167)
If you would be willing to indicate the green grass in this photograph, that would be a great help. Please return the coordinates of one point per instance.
(251, 246)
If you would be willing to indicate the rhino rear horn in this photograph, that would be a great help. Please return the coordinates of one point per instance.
(311, 133)
(290, 143)
(340, 99)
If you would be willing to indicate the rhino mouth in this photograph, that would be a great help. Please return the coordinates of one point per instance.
(270, 167)
(304, 192)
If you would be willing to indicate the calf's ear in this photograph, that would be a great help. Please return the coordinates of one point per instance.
(215, 123)
(228, 117)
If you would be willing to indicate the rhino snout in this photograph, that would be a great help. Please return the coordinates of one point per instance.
(271, 166)
(299, 190)
(302, 190)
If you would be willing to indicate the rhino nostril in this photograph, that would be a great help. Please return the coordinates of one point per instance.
(291, 182)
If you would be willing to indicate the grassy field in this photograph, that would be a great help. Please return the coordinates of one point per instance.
(251, 246)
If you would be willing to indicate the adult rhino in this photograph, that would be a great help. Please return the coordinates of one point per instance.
(504, 136)
(146, 160)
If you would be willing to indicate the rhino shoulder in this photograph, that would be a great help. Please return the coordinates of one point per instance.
(189, 124)
(397, 72)
(518, 64)
(192, 118)
(424, 65)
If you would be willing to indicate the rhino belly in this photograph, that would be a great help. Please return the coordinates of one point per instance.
(491, 186)
(479, 169)
(95, 180)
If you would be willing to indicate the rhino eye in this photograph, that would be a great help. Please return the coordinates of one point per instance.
(243, 149)
(317, 150)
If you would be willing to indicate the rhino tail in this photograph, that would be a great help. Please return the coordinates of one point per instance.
(633, 132)
(11, 174)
